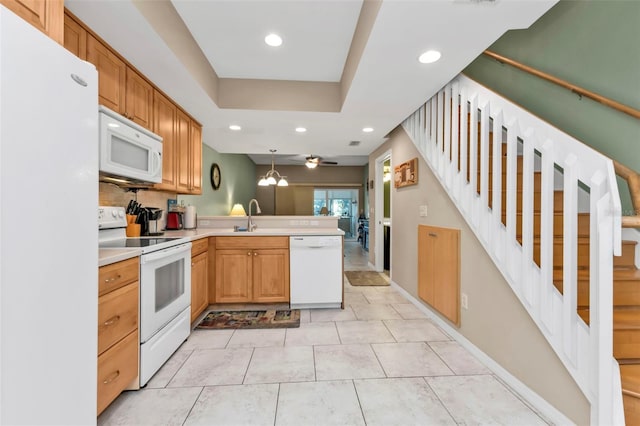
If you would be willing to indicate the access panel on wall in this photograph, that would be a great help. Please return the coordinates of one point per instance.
(439, 270)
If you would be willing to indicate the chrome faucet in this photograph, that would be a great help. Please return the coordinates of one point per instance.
(250, 225)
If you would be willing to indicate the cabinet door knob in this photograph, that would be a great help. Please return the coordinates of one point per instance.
(255, 254)
(110, 280)
(112, 320)
(112, 377)
(248, 253)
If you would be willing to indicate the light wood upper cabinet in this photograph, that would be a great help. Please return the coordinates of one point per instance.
(139, 99)
(183, 145)
(439, 270)
(164, 124)
(196, 158)
(75, 38)
(45, 15)
(111, 75)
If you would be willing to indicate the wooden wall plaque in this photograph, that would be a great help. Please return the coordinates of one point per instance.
(406, 174)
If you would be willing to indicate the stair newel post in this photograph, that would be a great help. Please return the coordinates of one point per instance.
(513, 130)
(601, 298)
(570, 256)
(496, 187)
(528, 266)
(546, 286)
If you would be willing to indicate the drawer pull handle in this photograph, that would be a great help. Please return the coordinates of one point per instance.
(110, 280)
(431, 234)
(111, 377)
(112, 320)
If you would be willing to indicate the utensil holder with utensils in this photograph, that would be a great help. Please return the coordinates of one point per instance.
(133, 228)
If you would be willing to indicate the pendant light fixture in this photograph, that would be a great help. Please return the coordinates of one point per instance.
(270, 177)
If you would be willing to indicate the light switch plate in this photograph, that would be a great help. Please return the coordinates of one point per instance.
(423, 211)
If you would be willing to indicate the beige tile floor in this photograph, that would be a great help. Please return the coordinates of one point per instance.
(379, 361)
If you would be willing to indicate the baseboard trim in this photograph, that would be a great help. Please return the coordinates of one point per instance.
(548, 411)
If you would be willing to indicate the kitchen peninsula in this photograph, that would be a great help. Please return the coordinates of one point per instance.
(236, 266)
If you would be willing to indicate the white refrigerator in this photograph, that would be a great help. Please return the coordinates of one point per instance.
(48, 230)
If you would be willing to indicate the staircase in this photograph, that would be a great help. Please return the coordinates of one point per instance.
(556, 237)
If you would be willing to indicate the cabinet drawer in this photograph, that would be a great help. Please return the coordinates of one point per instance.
(111, 277)
(117, 315)
(251, 242)
(117, 368)
(199, 246)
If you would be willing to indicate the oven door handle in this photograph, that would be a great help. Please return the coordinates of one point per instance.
(163, 254)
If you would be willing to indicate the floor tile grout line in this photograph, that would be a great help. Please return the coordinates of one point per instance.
(424, 378)
(355, 388)
(177, 369)
(386, 375)
(441, 358)
(246, 371)
(275, 415)
(193, 405)
(518, 397)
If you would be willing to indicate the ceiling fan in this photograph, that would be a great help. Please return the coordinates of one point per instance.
(313, 162)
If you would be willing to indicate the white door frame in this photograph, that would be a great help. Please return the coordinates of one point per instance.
(379, 209)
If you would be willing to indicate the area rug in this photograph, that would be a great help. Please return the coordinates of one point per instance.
(251, 319)
(359, 278)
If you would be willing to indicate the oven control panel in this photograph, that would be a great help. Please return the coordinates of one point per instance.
(111, 217)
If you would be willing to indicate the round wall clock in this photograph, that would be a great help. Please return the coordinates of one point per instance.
(215, 176)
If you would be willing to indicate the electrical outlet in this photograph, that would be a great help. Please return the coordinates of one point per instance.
(464, 301)
(423, 210)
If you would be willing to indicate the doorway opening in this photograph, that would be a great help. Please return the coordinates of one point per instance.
(341, 203)
(383, 213)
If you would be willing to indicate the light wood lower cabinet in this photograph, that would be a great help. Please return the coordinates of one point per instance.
(118, 341)
(439, 270)
(199, 282)
(252, 269)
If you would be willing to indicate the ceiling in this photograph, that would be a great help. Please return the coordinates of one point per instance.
(343, 64)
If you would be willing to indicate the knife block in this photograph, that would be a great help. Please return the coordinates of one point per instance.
(133, 229)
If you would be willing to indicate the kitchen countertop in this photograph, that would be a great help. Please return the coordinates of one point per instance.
(107, 256)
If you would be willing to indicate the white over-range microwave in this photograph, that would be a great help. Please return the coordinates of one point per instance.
(129, 153)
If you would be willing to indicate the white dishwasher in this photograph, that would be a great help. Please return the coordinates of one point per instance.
(316, 271)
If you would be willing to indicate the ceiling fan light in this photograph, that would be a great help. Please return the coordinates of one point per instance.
(283, 182)
(311, 164)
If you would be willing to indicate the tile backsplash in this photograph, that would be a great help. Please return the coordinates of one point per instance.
(113, 195)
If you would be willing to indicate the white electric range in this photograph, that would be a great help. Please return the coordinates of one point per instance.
(165, 288)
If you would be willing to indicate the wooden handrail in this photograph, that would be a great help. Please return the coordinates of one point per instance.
(632, 178)
(633, 181)
(576, 89)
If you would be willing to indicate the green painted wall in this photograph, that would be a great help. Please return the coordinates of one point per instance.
(592, 44)
(238, 183)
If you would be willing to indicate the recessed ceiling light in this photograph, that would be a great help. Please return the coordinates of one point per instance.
(301, 129)
(429, 57)
(273, 40)
(367, 129)
(235, 127)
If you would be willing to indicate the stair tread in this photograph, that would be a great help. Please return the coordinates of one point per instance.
(630, 377)
(619, 274)
(627, 318)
